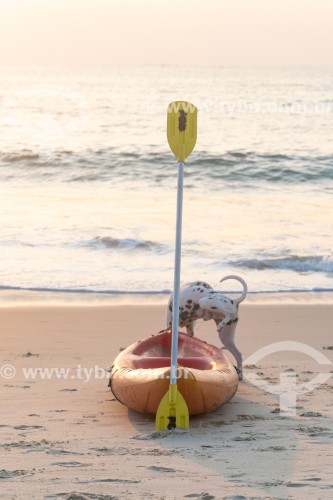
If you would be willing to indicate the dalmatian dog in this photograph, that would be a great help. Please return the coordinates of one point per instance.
(198, 300)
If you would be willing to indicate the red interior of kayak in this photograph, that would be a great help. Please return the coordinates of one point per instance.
(154, 352)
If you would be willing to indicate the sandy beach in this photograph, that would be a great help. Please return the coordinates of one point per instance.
(66, 437)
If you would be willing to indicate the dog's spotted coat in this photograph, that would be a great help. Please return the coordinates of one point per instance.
(198, 300)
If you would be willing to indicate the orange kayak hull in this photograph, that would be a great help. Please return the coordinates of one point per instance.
(140, 374)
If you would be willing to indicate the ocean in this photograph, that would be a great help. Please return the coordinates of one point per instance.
(88, 183)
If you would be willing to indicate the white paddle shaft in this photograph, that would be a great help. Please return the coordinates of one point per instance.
(176, 284)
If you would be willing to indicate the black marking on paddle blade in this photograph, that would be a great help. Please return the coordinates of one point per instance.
(182, 120)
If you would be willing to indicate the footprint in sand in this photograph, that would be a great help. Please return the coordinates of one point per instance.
(235, 497)
(75, 495)
(18, 386)
(272, 448)
(248, 437)
(9, 474)
(161, 435)
(315, 431)
(57, 451)
(70, 464)
(251, 417)
(27, 427)
(109, 480)
(203, 496)
(156, 468)
(121, 450)
(311, 414)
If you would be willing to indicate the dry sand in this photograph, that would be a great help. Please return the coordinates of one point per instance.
(66, 438)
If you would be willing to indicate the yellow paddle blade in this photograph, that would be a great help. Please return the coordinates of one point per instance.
(182, 128)
(172, 411)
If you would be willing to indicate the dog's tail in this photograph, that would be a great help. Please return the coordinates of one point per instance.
(237, 278)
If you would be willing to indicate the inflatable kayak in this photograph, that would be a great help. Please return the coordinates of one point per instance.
(140, 374)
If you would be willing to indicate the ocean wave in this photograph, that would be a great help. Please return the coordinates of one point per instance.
(81, 290)
(108, 242)
(253, 166)
(231, 166)
(17, 157)
(16, 243)
(163, 292)
(292, 263)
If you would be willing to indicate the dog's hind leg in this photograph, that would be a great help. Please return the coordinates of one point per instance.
(227, 336)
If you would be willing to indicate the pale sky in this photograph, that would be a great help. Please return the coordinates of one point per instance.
(195, 32)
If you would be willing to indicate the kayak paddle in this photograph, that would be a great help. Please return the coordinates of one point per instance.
(182, 134)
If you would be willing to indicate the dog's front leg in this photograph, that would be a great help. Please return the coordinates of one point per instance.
(190, 328)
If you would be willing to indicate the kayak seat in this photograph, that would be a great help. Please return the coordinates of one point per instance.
(198, 362)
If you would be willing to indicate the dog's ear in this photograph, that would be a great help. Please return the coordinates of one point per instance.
(207, 315)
